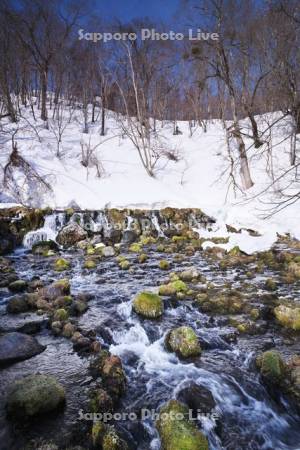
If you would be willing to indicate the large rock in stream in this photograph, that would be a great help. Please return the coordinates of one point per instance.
(71, 234)
(149, 305)
(18, 347)
(34, 395)
(176, 431)
(183, 341)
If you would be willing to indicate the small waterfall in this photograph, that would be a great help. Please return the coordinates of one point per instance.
(130, 220)
(99, 223)
(156, 225)
(53, 223)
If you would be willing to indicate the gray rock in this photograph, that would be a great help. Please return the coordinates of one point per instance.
(17, 347)
(108, 251)
(70, 234)
(197, 398)
(17, 304)
(129, 236)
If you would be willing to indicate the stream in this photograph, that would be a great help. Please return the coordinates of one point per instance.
(249, 418)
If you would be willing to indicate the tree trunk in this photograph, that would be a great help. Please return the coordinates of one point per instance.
(7, 98)
(102, 122)
(44, 83)
(257, 142)
(296, 117)
(247, 182)
(103, 112)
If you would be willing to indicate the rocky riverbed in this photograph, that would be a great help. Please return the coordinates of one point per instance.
(181, 348)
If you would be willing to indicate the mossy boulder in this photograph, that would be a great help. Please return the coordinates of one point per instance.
(179, 286)
(18, 286)
(61, 315)
(106, 438)
(90, 264)
(109, 368)
(68, 330)
(63, 301)
(98, 431)
(226, 302)
(124, 265)
(90, 251)
(176, 431)
(56, 327)
(294, 269)
(57, 289)
(149, 305)
(271, 366)
(270, 285)
(293, 389)
(100, 401)
(34, 395)
(288, 316)
(164, 264)
(112, 441)
(174, 287)
(166, 290)
(189, 275)
(135, 248)
(44, 248)
(183, 341)
(61, 264)
(143, 258)
(146, 240)
(17, 304)
(80, 307)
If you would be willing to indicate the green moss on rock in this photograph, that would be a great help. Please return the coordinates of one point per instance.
(44, 247)
(34, 395)
(124, 265)
(148, 305)
(271, 366)
(270, 285)
(61, 315)
(183, 341)
(135, 248)
(111, 441)
(18, 286)
(288, 317)
(61, 264)
(143, 258)
(176, 431)
(17, 304)
(89, 264)
(164, 264)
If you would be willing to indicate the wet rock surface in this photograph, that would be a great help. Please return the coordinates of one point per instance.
(17, 347)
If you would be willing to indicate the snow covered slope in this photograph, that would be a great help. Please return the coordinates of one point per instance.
(199, 179)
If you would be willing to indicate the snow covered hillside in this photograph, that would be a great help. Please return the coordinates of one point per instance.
(200, 178)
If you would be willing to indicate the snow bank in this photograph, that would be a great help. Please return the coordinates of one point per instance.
(199, 179)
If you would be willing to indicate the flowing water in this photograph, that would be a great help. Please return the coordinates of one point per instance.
(249, 419)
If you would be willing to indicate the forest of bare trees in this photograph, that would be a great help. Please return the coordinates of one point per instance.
(253, 68)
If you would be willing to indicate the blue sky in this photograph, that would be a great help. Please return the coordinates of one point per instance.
(126, 10)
